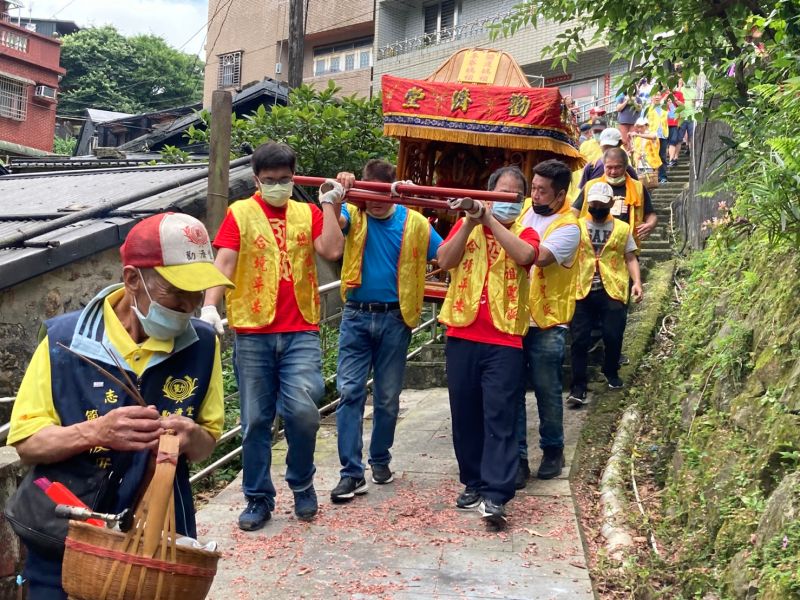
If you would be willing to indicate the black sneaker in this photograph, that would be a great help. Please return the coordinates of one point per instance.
(382, 474)
(552, 463)
(255, 515)
(347, 489)
(305, 504)
(493, 513)
(577, 398)
(523, 473)
(615, 383)
(469, 498)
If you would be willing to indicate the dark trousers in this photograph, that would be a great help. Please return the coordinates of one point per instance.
(43, 574)
(662, 154)
(598, 309)
(484, 381)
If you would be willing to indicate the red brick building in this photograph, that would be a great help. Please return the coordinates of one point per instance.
(29, 75)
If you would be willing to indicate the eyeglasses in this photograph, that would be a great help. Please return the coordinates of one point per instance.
(281, 181)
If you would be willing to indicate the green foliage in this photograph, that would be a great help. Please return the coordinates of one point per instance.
(108, 71)
(174, 156)
(779, 562)
(65, 146)
(329, 134)
(749, 53)
(717, 400)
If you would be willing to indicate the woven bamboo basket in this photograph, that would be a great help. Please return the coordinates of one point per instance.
(145, 563)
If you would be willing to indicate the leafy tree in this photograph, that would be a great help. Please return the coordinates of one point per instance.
(329, 134)
(748, 51)
(142, 73)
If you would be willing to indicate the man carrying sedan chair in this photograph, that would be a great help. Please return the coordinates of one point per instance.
(386, 252)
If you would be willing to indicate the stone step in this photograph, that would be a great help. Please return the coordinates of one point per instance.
(657, 255)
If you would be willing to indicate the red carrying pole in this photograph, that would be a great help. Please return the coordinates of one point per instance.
(417, 190)
(357, 195)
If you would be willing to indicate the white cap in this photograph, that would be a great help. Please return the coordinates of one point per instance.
(642, 121)
(600, 192)
(610, 137)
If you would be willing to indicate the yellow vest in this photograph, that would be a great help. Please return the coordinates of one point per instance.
(647, 149)
(258, 270)
(610, 262)
(591, 150)
(506, 282)
(411, 264)
(552, 293)
(655, 120)
(634, 198)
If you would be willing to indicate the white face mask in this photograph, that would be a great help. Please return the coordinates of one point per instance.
(278, 194)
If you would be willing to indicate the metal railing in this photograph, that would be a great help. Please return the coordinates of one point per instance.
(431, 323)
(447, 34)
(325, 410)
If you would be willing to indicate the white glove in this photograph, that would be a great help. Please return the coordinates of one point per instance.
(473, 208)
(210, 315)
(331, 192)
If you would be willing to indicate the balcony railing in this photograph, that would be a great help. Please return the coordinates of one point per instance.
(449, 34)
(12, 38)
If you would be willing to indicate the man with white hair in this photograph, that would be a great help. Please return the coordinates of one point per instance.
(609, 138)
(606, 261)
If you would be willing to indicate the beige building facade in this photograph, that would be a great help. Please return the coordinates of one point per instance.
(248, 41)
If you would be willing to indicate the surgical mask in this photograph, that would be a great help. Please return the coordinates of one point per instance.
(596, 135)
(616, 180)
(278, 194)
(161, 323)
(506, 211)
(600, 213)
(542, 210)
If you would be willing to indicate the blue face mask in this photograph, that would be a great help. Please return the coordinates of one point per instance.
(161, 323)
(506, 211)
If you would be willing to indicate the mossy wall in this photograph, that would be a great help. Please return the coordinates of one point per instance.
(723, 409)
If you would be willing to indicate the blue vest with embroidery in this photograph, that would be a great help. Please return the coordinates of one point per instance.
(177, 385)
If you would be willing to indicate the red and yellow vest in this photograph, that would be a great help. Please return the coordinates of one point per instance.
(258, 270)
(411, 263)
(506, 282)
(552, 293)
(610, 262)
(634, 198)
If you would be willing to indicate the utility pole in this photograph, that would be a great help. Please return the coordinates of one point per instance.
(219, 160)
(296, 42)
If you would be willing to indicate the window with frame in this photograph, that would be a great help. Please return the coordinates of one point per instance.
(583, 93)
(340, 58)
(230, 70)
(13, 99)
(440, 18)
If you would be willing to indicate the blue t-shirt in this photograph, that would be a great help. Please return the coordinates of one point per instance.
(381, 253)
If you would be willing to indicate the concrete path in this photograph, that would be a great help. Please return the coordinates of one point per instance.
(405, 540)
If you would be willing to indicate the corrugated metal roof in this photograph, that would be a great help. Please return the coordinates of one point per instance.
(34, 195)
(31, 201)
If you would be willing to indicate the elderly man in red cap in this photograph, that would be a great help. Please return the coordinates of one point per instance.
(77, 426)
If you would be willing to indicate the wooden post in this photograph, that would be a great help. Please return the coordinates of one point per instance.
(219, 160)
(296, 43)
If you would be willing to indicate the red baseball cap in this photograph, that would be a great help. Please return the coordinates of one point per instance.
(177, 247)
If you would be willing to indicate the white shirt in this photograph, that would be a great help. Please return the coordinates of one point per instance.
(562, 243)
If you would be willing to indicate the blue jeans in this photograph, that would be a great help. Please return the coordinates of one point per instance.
(278, 372)
(378, 341)
(544, 357)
